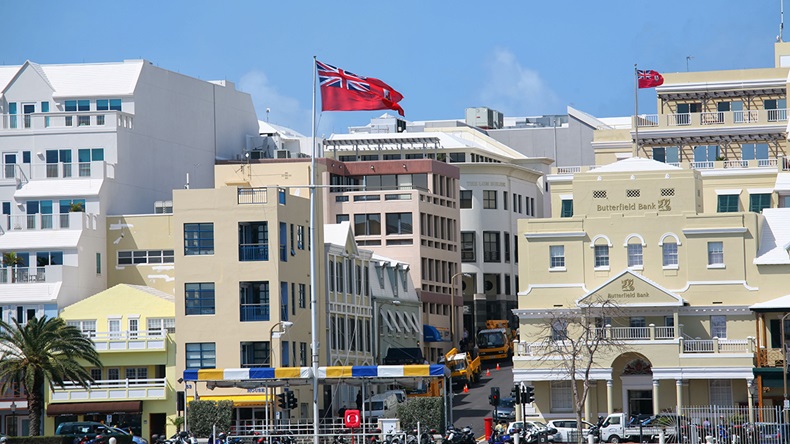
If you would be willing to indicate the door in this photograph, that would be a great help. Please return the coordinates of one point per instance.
(9, 160)
(27, 110)
(640, 402)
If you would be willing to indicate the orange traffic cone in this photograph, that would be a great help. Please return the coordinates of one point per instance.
(488, 372)
(466, 388)
(497, 366)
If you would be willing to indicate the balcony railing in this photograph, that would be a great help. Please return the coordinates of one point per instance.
(254, 312)
(252, 196)
(709, 118)
(65, 120)
(111, 389)
(23, 222)
(686, 346)
(128, 340)
(26, 275)
(253, 252)
(782, 163)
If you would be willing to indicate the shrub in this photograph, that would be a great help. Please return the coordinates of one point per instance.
(429, 412)
(203, 415)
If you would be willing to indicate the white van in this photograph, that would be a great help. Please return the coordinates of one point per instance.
(379, 405)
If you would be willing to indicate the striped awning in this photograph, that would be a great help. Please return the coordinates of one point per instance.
(324, 373)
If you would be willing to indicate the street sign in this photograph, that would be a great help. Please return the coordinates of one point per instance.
(351, 419)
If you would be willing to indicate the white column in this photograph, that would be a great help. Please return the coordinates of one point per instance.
(749, 389)
(656, 409)
(588, 413)
(609, 397)
(679, 394)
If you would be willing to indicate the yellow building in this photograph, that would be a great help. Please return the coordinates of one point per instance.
(133, 329)
(688, 239)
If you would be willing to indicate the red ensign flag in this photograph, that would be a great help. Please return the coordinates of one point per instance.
(344, 91)
(649, 79)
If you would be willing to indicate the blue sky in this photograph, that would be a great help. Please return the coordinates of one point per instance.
(520, 57)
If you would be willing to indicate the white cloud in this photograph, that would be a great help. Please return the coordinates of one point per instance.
(284, 111)
(516, 90)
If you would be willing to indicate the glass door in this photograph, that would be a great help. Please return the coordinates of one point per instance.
(27, 110)
(9, 160)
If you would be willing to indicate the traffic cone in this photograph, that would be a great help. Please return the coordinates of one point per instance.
(497, 366)
(488, 372)
(466, 388)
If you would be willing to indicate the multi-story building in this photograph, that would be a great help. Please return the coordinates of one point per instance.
(687, 242)
(80, 141)
(132, 328)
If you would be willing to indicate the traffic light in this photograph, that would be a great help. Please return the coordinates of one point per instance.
(281, 401)
(291, 398)
(493, 398)
(516, 394)
(528, 395)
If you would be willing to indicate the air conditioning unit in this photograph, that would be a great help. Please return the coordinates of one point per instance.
(282, 154)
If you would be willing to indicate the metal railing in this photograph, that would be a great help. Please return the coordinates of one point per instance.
(707, 118)
(253, 252)
(252, 196)
(66, 120)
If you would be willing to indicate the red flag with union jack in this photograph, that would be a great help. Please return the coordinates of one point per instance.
(649, 78)
(344, 91)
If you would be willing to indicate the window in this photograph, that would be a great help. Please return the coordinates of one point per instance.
(98, 263)
(253, 241)
(86, 327)
(715, 253)
(718, 327)
(752, 151)
(506, 247)
(283, 242)
(140, 257)
(199, 298)
(466, 198)
(399, 223)
(601, 256)
(706, 153)
(136, 373)
(300, 237)
(757, 202)
(669, 154)
(302, 296)
(161, 325)
(557, 256)
(504, 201)
(728, 203)
(489, 199)
(198, 239)
(559, 330)
(284, 301)
(201, 355)
(367, 224)
(254, 301)
(281, 194)
(669, 251)
(491, 251)
(468, 246)
(255, 354)
(635, 255)
(721, 392)
(567, 208)
(339, 218)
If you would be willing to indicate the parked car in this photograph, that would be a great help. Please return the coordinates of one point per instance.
(91, 430)
(506, 409)
(567, 430)
(768, 433)
(400, 394)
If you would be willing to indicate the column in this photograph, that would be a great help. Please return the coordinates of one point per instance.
(588, 406)
(679, 395)
(609, 397)
(656, 409)
(750, 388)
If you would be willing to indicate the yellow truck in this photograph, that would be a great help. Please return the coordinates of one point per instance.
(494, 343)
(463, 367)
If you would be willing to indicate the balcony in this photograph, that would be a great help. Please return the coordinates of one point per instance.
(23, 222)
(24, 275)
(781, 163)
(124, 341)
(253, 252)
(711, 119)
(58, 122)
(108, 390)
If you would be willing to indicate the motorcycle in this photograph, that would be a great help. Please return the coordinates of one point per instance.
(459, 436)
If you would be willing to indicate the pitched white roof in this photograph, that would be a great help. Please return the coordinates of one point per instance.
(29, 293)
(152, 291)
(775, 237)
(778, 303)
(336, 233)
(634, 164)
(60, 188)
(782, 182)
(84, 79)
(38, 239)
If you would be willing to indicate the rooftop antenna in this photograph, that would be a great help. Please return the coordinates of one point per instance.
(781, 19)
(267, 115)
(687, 62)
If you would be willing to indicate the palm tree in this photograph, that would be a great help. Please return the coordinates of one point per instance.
(44, 350)
(12, 260)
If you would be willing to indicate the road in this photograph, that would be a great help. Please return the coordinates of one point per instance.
(469, 409)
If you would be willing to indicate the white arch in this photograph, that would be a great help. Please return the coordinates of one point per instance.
(666, 235)
(601, 236)
(628, 238)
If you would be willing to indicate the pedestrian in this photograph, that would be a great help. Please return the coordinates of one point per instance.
(359, 400)
(342, 411)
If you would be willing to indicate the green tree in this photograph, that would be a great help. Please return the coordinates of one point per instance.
(12, 260)
(43, 351)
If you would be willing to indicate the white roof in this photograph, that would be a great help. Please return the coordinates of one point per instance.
(634, 164)
(152, 291)
(270, 128)
(30, 293)
(782, 182)
(84, 79)
(38, 239)
(778, 303)
(336, 233)
(60, 188)
(775, 237)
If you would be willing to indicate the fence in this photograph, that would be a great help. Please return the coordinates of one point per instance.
(728, 425)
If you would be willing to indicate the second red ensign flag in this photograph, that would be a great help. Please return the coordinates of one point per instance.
(649, 78)
(345, 91)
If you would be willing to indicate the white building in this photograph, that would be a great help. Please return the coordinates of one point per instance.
(80, 141)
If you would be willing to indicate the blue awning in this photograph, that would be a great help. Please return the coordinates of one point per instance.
(431, 333)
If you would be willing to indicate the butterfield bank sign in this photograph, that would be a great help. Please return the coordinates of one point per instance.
(627, 289)
(663, 204)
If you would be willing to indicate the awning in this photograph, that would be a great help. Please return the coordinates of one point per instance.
(81, 408)
(245, 374)
(247, 377)
(239, 400)
(382, 371)
(431, 333)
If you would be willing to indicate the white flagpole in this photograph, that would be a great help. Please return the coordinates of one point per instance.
(313, 271)
(636, 111)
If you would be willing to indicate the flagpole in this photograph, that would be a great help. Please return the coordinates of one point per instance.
(636, 111)
(313, 276)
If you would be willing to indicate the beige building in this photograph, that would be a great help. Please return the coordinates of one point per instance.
(688, 239)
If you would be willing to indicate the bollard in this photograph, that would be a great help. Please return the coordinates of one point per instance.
(661, 438)
(590, 439)
(488, 427)
(709, 439)
(516, 436)
(112, 440)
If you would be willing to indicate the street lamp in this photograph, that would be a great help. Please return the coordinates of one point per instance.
(12, 432)
(452, 304)
(276, 334)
